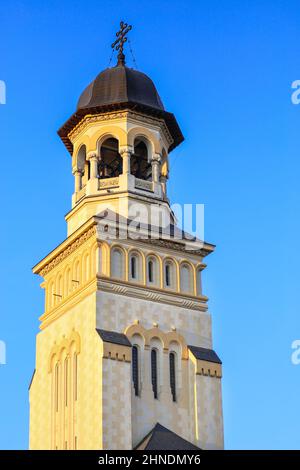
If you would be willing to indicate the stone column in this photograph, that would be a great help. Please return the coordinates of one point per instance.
(93, 157)
(155, 162)
(126, 152)
(163, 180)
(78, 179)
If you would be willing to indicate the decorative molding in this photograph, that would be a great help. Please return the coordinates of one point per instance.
(143, 184)
(166, 338)
(174, 245)
(108, 182)
(65, 345)
(122, 287)
(91, 119)
(67, 251)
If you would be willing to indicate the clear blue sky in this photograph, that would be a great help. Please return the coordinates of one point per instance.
(225, 69)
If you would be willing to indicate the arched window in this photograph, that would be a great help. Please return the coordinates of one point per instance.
(154, 378)
(135, 369)
(140, 165)
(172, 367)
(199, 283)
(111, 163)
(81, 166)
(169, 275)
(150, 271)
(135, 267)
(185, 279)
(66, 380)
(117, 263)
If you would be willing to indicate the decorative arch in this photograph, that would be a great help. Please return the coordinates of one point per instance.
(106, 132)
(118, 263)
(170, 276)
(64, 378)
(80, 157)
(146, 134)
(111, 162)
(157, 270)
(134, 252)
(155, 332)
(186, 277)
(65, 345)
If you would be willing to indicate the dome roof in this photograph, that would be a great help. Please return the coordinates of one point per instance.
(120, 84)
(121, 88)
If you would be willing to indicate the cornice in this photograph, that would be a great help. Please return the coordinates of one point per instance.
(69, 302)
(64, 249)
(120, 287)
(92, 119)
(177, 246)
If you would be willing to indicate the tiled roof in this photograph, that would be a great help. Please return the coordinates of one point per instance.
(204, 354)
(161, 438)
(113, 337)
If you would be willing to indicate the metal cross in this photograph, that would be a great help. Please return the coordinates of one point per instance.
(121, 37)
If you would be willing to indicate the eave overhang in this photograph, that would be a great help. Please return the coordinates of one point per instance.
(169, 119)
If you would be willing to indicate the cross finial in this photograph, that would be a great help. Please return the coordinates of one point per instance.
(120, 41)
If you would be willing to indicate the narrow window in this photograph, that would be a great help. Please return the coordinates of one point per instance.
(75, 376)
(199, 287)
(133, 267)
(66, 381)
(117, 264)
(168, 277)
(56, 387)
(135, 369)
(185, 281)
(172, 375)
(154, 372)
(150, 271)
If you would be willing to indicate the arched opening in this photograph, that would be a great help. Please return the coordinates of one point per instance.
(135, 369)
(135, 267)
(81, 158)
(169, 275)
(153, 277)
(172, 368)
(111, 163)
(140, 165)
(154, 373)
(117, 263)
(199, 282)
(185, 279)
(150, 271)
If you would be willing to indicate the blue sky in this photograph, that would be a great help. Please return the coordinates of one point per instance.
(225, 69)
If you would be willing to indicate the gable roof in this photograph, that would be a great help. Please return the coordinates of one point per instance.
(204, 354)
(161, 438)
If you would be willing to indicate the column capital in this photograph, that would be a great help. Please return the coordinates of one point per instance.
(156, 157)
(125, 149)
(77, 171)
(92, 156)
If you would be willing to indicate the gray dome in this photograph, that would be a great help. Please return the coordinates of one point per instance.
(120, 84)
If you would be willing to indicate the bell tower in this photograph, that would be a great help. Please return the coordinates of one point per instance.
(124, 358)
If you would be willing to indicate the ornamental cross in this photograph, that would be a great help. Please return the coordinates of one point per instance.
(121, 38)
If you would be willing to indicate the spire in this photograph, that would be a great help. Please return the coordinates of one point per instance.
(118, 45)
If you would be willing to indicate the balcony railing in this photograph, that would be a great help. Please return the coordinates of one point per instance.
(107, 183)
(143, 184)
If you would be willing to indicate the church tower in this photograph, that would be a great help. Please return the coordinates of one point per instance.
(124, 358)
